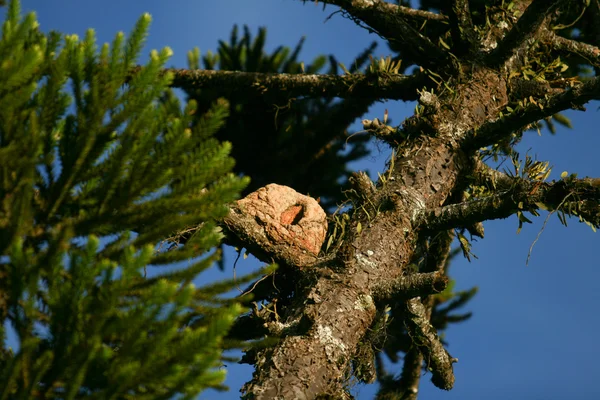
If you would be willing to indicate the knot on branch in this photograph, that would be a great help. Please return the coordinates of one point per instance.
(287, 218)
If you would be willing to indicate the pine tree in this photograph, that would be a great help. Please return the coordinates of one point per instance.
(88, 157)
(98, 193)
(486, 73)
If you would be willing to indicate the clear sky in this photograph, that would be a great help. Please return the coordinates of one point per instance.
(533, 330)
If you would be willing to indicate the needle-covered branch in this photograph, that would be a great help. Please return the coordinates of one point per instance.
(573, 97)
(525, 29)
(390, 86)
(390, 21)
(574, 197)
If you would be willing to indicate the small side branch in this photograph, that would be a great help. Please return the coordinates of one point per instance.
(413, 285)
(437, 257)
(462, 214)
(425, 337)
(463, 32)
(396, 87)
(525, 28)
(410, 14)
(485, 175)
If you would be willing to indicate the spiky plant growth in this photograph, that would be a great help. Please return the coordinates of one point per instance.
(88, 157)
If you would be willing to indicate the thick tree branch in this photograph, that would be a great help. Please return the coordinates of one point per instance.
(338, 310)
(525, 29)
(576, 197)
(495, 131)
(390, 21)
(395, 87)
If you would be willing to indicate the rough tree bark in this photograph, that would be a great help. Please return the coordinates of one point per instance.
(467, 94)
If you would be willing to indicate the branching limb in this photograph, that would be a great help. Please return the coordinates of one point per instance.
(390, 21)
(587, 51)
(525, 29)
(425, 337)
(577, 197)
(411, 374)
(408, 13)
(495, 131)
(396, 87)
(437, 257)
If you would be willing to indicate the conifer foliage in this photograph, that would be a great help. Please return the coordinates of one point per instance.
(88, 157)
(99, 163)
(305, 137)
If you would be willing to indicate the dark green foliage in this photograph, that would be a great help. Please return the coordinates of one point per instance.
(305, 138)
(87, 165)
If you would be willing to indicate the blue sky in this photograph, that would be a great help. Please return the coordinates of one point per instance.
(532, 335)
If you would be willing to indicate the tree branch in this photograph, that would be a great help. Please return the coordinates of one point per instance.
(437, 257)
(408, 13)
(411, 375)
(587, 51)
(463, 32)
(395, 87)
(412, 285)
(494, 131)
(576, 197)
(425, 337)
(390, 21)
(485, 175)
(525, 28)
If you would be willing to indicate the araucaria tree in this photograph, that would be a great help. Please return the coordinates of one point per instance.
(124, 162)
